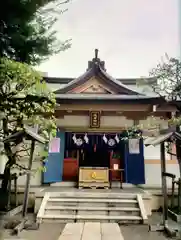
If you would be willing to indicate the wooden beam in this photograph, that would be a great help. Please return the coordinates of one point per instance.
(104, 107)
(93, 130)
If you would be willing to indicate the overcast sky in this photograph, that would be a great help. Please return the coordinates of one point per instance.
(131, 35)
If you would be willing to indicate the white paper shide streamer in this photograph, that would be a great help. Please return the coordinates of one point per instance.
(74, 138)
(105, 138)
(86, 139)
(117, 138)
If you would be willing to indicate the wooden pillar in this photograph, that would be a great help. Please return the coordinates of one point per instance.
(28, 178)
(9, 194)
(15, 190)
(164, 185)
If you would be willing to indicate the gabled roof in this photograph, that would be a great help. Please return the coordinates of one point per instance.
(25, 132)
(97, 69)
(163, 138)
(66, 80)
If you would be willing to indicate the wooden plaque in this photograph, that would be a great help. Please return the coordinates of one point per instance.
(95, 119)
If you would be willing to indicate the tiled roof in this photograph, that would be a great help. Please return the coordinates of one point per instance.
(126, 81)
(96, 70)
(68, 96)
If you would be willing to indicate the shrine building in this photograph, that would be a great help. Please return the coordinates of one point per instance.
(93, 113)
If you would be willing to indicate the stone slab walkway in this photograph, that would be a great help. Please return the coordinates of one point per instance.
(91, 231)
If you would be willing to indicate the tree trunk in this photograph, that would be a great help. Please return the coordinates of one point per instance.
(9, 154)
(5, 181)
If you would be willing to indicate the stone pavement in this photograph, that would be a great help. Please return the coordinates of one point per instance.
(47, 231)
(140, 232)
(91, 231)
(52, 231)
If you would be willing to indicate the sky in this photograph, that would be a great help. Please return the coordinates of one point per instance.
(132, 36)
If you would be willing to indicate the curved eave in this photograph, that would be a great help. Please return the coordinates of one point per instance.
(120, 86)
(76, 82)
(102, 74)
(133, 99)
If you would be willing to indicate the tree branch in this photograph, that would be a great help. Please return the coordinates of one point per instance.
(172, 154)
(21, 167)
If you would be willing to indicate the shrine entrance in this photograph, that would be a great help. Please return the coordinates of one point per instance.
(94, 158)
(98, 150)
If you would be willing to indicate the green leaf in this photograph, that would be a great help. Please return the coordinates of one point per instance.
(25, 100)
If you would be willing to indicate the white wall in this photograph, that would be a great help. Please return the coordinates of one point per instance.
(116, 121)
(84, 121)
(153, 173)
(36, 174)
(153, 170)
(3, 160)
(153, 153)
(35, 177)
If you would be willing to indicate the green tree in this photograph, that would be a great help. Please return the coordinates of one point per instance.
(166, 82)
(24, 99)
(167, 75)
(26, 30)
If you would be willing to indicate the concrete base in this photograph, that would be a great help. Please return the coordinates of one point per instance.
(12, 212)
(175, 217)
(161, 228)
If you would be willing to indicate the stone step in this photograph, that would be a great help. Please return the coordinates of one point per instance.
(126, 209)
(89, 202)
(85, 210)
(84, 218)
(92, 194)
(92, 200)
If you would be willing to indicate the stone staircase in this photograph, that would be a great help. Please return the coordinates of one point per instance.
(92, 206)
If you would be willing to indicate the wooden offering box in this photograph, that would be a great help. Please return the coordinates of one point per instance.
(93, 177)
